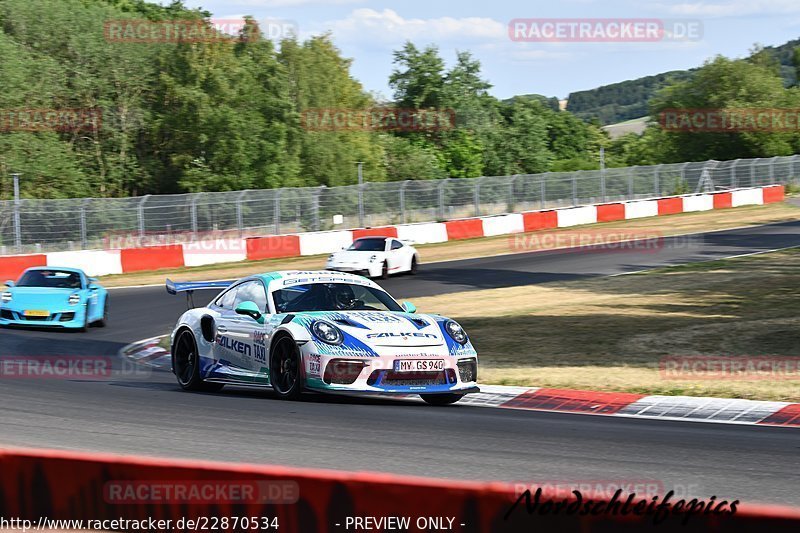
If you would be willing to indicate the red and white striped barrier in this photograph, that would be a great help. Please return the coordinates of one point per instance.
(227, 250)
(61, 490)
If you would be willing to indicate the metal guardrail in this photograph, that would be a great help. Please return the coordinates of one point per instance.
(57, 225)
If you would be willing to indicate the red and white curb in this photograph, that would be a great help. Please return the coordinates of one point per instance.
(684, 408)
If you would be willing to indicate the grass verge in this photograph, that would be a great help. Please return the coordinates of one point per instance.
(612, 333)
(489, 246)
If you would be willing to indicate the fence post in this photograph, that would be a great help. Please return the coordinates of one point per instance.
(141, 216)
(630, 182)
(403, 200)
(753, 171)
(17, 222)
(683, 174)
(603, 195)
(193, 212)
(512, 204)
(315, 207)
(772, 170)
(84, 239)
(733, 173)
(477, 196)
(240, 212)
(657, 179)
(574, 190)
(277, 213)
(793, 172)
(543, 201)
(441, 198)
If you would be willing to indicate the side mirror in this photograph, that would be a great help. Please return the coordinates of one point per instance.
(250, 309)
(408, 307)
(9, 283)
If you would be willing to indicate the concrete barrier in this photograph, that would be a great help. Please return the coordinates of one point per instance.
(577, 216)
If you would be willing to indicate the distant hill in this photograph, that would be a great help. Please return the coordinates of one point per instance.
(627, 100)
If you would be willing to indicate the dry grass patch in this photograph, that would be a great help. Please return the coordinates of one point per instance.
(611, 333)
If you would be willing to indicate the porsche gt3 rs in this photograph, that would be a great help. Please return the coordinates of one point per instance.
(54, 297)
(375, 257)
(323, 331)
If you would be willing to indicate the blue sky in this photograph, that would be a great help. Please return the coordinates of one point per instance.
(369, 30)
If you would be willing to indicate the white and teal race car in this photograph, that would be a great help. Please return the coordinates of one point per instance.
(320, 331)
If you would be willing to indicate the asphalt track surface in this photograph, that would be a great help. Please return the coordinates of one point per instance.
(142, 411)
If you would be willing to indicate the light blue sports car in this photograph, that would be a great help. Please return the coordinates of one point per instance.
(54, 297)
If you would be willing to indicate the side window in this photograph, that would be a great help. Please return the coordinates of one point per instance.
(225, 301)
(396, 245)
(252, 291)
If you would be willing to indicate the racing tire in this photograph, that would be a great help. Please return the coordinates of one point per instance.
(186, 364)
(103, 322)
(441, 399)
(414, 266)
(385, 270)
(286, 369)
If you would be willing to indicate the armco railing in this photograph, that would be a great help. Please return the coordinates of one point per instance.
(91, 223)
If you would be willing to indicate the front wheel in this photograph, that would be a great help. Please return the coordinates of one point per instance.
(103, 322)
(186, 364)
(385, 270)
(286, 369)
(441, 399)
(414, 266)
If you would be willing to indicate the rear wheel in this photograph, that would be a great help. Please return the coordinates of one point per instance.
(441, 399)
(186, 364)
(286, 369)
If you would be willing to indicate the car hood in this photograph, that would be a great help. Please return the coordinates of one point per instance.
(383, 329)
(354, 256)
(39, 297)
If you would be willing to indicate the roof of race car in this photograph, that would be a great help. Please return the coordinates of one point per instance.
(283, 278)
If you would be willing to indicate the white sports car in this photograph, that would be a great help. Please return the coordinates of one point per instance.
(323, 331)
(376, 257)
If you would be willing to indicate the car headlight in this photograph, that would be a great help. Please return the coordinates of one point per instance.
(7, 297)
(74, 299)
(373, 258)
(327, 332)
(456, 332)
(331, 257)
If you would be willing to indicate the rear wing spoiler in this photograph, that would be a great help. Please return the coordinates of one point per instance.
(174, 287)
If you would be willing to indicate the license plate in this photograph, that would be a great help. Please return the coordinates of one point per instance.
(418, 365)
(36, 312)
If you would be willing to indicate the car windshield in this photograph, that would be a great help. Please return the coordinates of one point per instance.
(54, 279)
(372, 244)
(332, 297)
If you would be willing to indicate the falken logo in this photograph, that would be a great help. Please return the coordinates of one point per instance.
(234, 345)
(404, 335)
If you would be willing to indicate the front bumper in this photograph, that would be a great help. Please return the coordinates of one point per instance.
(377, 375)
(371, 269)
(61, 318)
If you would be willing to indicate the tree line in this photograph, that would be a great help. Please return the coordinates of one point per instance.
(232, 113)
